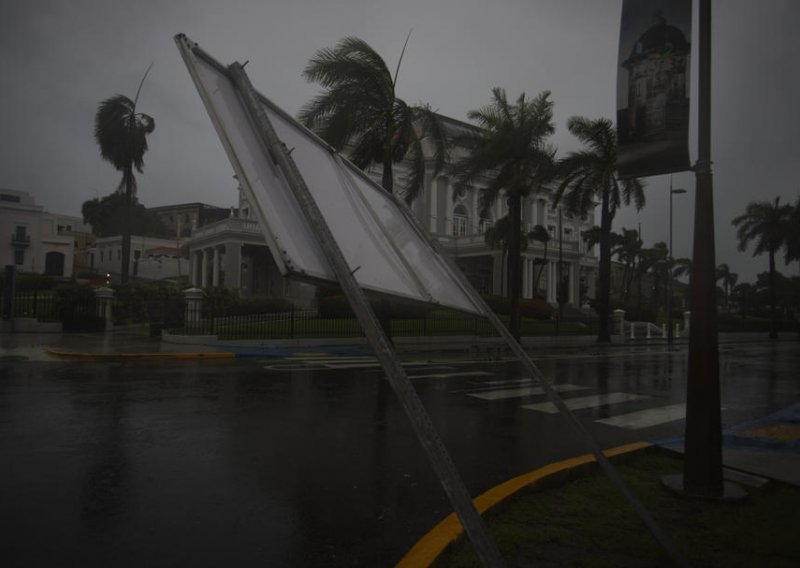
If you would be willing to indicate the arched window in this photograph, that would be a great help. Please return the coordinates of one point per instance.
(484, 224)
(460, 220)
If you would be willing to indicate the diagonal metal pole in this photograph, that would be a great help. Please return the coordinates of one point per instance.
(437, 454)
(592, 444)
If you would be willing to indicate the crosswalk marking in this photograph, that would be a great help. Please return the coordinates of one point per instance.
(446, 375)
(522, 391)
(522, 381)
(586, 402)
(647, 418)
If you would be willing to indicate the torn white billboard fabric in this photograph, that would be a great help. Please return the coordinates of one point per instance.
(383, 245)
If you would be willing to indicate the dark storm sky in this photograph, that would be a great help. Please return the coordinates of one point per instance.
(59, 58)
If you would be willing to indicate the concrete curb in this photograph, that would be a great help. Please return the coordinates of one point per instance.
(78, 356)
(429, 547)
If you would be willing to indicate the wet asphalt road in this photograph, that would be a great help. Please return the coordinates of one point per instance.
(270, 463)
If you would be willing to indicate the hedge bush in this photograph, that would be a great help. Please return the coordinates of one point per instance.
(536, 309)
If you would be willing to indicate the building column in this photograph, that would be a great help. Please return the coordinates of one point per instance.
(497, 274)
(526, 277)
(232, 264)
(215, 266)
(572, 286)
(194, 269)
(204, 268)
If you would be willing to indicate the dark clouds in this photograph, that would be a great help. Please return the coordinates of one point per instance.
(59, 58)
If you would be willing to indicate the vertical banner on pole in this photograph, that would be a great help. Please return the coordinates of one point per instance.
(653, 87)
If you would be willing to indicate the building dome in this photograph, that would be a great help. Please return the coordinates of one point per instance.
(661, 38)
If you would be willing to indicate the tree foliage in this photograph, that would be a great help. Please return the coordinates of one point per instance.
(106, 215)
(510, 157)
(588, 176)
(360, 110)
(767, 225)
(121, 133)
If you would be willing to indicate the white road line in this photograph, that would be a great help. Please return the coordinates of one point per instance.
(523, 391)
(647, 418)
(586, 402)
(502, 383)
(447, 375)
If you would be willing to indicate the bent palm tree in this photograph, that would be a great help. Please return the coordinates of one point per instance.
(121, 134)
(510, 154)
(360, 109)
(591, 174)
(767, 224)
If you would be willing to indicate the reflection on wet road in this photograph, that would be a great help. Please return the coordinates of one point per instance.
(310, 461)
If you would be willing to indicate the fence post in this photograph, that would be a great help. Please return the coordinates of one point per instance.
(194, 304)
(619, 315)
(291, 322)
(103, 297)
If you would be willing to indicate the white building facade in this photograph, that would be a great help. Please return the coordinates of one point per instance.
(151, 258)
(31, 237)
(233, 252)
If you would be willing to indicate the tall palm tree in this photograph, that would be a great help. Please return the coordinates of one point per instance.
(589, 175)
(360, 110)
(628, 249)
(659, 266)
(793, 236)
(728, 278)
(767, 224)
(498, 236)
(540, 234)
(683, 267)
(121, 133)
(509, 153)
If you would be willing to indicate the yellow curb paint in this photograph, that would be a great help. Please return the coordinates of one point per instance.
(430, 546)
(779, 432)
(78, 356)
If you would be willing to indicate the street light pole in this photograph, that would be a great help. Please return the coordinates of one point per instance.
(670, 333)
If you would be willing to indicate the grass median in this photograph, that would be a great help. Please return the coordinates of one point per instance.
(586, 522)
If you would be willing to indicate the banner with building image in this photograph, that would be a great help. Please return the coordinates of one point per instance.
(653, 87)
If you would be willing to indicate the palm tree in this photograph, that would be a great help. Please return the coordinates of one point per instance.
(591, 174)
(683, 267)
(509, 153)
(767, 224)
(498, 236)
(728, 278)
(793, 236)
(121, 134)
(539, 233)
(628, 249)
(659, 266)
(746, 296)
(359, 109)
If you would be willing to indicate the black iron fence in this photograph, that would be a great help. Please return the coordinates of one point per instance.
(76, 312)
(299, 324)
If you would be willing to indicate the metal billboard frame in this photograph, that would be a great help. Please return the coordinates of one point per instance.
(437, 454)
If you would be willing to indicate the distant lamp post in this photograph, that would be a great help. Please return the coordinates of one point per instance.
(670, 332)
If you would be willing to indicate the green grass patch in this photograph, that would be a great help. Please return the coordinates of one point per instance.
(586, 522)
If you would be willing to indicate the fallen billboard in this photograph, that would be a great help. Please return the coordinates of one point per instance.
(381, 241)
